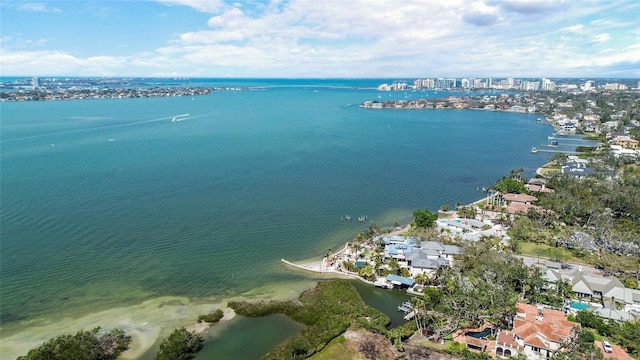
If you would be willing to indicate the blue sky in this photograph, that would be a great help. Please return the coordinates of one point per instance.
(321, 38)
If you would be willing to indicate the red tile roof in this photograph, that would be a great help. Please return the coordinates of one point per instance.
(537, 327)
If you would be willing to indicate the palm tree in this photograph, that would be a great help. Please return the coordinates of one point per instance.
(419, 308)
(422, 279)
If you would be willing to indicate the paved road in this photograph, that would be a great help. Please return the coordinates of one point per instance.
(541, 262)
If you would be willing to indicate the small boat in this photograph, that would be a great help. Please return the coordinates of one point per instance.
(554, 143)
(406, 307)
(534, 150)
(550, 138)
(112, 139)
(179, 118)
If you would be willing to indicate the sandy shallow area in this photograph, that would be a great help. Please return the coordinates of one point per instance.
(147, 322)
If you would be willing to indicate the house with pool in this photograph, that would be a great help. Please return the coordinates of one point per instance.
(468, 229)
(537, 332)
(419, 257)
(605, 296)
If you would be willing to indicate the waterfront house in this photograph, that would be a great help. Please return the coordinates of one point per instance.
(519, 203)
(626, 141)
(538, 185)
(577, 168)
(425, 257)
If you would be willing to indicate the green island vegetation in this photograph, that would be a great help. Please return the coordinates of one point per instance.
(327, 311)
(181, 344)
(211, 318)
(101, 345)
(88, 345)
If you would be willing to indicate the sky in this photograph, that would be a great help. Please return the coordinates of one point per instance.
(321, 38)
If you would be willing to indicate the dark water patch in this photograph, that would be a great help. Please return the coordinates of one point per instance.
(249, 338)
(384, 300)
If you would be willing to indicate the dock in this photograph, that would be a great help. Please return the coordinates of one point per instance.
(406, 307)
(410, 315)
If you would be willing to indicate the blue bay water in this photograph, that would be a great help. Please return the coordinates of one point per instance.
(207, 207)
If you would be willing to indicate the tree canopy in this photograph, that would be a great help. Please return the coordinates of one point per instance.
(424, 218)
(510, 185)
(84, 345)
(180, 345)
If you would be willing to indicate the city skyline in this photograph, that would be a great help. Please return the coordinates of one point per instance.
(198, 38)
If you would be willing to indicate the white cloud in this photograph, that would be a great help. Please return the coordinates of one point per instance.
(207, 6)
(479, 14)
(228, 18)
(35, 7)
(58, 63)
(600, 38)
(575, 28)
(370, 38)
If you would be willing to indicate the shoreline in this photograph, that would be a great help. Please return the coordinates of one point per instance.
(320, 267)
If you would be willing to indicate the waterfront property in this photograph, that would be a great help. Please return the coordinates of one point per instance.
(538, 185)
(425, 257)
(519, 203)
(577, 168)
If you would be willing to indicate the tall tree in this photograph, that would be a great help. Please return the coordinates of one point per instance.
(180, 345)
(424, 218)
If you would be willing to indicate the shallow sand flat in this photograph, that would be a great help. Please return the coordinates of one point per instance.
(147, 322)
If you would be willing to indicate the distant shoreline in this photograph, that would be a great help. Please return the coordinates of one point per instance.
(110, 93)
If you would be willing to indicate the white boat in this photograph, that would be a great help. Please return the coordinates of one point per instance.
(534, 150)
(179, 118)
(406, 307)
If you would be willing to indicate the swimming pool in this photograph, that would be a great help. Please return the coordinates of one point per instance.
(480, 334)
(579, 305)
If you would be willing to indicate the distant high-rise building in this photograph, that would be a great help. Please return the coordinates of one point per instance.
(530, 85)
(35, 82)
(548, 84)
(588, 85)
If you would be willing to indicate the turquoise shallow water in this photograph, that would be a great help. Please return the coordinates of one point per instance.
(206, 207)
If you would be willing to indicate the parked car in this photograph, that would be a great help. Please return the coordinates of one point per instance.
(606, 346)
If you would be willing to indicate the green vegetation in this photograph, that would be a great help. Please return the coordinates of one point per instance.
(327, 311)
(582, 348)
(85, 345)
(211, 318)
(336, 350)
(424, 218)
(582, 215)
(626, 333)
(180, 345)
(510, 185)
(483, 285)
(547, 251)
